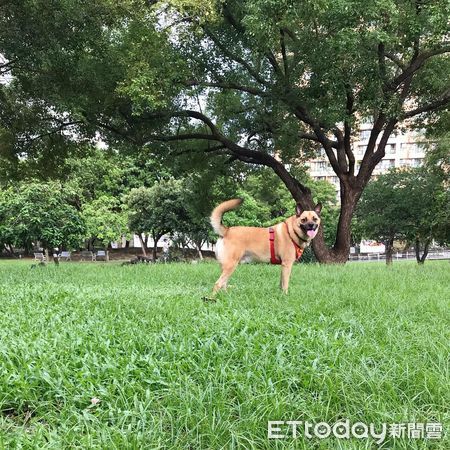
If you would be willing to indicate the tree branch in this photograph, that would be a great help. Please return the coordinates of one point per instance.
(348, 130)
(273, 62)
(395, 60)
(54, 131)
(6, 67)
(381, 61)
(181, 137)
(217, 148)
(328, 145)
(364, 169)
(380, 152)
(228, 85)
(233, 57)
(284, 55)
(246, 154)
(241, 29)
(341, 153)
(309, 137)
(416, 63)
(441, 101)
(112, 129)
(292, 36)
(303, 114)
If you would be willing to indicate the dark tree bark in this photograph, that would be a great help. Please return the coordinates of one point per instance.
(9, 249)
(156, 238)
(143, 245)
(421, 259)
(90, 244)
(389, 250)
(198, 244)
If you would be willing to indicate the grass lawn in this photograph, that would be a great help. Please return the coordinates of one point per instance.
(361, 342)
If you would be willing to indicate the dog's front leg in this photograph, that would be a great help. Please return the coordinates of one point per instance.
(286, 267)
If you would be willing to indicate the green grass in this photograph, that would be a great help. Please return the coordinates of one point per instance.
(361, 342)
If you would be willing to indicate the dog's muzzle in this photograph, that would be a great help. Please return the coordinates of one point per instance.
(310, 229)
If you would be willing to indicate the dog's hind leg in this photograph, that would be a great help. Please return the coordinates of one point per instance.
(227, 270)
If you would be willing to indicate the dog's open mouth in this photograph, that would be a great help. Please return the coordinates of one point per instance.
(311, 233)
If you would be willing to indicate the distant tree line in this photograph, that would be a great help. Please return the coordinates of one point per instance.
(100, 196)
(409, 205)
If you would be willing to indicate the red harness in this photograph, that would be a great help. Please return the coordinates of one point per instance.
(273, 258)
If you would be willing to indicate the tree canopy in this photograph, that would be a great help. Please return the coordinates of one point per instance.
(410, 205)
(105, 220)
(38, 212)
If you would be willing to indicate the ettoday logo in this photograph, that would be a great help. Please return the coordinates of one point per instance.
(279, 429)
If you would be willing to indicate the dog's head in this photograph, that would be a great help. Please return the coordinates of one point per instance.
(308, 221)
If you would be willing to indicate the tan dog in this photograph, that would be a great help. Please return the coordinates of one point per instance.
(253, 243)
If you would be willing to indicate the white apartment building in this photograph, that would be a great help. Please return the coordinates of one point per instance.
(405, 149)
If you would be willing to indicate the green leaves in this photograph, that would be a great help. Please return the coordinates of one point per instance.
(405, 204)
(39, 212)
(153, 69)
(157, 210)
(251, 213)
(105, 219)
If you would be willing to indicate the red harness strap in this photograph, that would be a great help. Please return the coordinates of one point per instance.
(273, 258)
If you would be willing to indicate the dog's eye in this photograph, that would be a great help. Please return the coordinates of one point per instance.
(315, 219)
(303, 220)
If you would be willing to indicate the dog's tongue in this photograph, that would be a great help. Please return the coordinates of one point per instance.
(311, 233)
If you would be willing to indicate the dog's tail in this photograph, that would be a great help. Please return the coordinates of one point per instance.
(219, 211)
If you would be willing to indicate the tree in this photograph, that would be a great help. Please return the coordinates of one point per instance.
(408, 204)
(430, 220)
(274, 81)
(381, 214)
(38, 212)
(199, 198)
(105, 221)
(157, 210)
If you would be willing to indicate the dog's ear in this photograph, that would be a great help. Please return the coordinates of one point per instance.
(298, 210)
(318, 208)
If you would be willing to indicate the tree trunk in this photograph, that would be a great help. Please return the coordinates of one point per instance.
(341, 248)
(417, 249)
(425, 252)
(421, 259)
(144, 252)
(56, 259)
(199, 250)
(9, 249)
(156, 238)
(53, 253)
(90, 244)
(389, 250)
